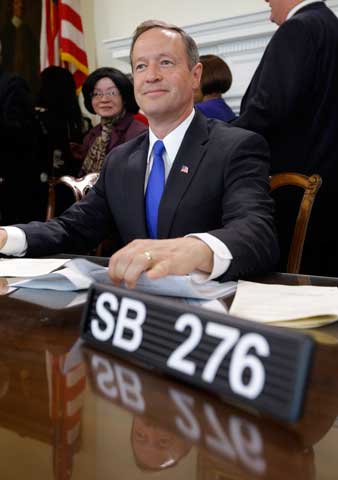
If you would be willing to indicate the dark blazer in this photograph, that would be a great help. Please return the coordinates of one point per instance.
(224, 192)
(292, 101)
(216, 108)
(18, 169)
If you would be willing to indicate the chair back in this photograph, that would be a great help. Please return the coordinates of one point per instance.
(79, 187)
(310, 186)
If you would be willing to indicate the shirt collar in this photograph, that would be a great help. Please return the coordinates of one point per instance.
(300, 5)
(173, 140)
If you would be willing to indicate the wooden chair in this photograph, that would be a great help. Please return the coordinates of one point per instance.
(79, 187)
(310, 185)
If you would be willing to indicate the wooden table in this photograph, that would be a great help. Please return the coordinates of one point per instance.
(69, 412)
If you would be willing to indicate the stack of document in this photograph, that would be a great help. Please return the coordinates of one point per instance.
(296, 306)
(79, 274)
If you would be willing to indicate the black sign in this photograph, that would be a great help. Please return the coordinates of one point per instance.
(256, 365)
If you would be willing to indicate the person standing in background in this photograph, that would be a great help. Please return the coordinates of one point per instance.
(215, 81)
(292, 101)
(60, 122)
(19, 174)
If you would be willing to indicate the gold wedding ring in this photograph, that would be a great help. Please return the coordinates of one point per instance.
(148, 256)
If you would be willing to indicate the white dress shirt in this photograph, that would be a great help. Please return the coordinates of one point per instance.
(17, 243)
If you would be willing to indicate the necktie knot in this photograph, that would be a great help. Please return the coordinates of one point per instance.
(158, 148)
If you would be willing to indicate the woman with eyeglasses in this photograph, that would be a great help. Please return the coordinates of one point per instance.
(108, 93)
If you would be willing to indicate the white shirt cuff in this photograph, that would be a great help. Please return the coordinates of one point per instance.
(16, 244)
(222, 257)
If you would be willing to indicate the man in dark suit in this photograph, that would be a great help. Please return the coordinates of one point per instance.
(292, 101)
(18, 170)
(216, 183)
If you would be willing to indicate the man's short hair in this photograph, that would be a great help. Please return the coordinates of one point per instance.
(189, 42)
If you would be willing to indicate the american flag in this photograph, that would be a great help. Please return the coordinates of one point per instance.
(62, 40)
(184, 169)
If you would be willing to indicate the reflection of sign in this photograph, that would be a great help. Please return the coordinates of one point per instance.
(238, 442)
(260, 366)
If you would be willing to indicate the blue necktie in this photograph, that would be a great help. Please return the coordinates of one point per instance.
(155, 188)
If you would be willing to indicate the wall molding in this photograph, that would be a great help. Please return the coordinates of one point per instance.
(239, 40)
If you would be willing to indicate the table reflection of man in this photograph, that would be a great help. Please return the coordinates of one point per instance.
(154, 447)
(227, 441)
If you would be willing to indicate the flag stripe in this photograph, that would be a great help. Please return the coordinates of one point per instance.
(43, 43)
(68, 31)
(78, 56)
(73, 4)
(71, 16)
(68, 58)
(62, 39)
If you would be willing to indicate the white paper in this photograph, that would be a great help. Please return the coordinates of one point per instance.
(29, 267)
(303, 306)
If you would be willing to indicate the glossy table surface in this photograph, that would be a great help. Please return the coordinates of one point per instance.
(70, 412)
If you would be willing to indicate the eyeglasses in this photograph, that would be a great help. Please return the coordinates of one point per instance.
(110, 93)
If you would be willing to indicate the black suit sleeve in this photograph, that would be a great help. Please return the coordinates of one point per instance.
(16, 112)
(247, 210)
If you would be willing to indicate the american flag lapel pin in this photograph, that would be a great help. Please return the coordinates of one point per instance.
(184, 169)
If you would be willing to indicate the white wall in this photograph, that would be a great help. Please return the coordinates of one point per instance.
(118, 18)
(87, 13)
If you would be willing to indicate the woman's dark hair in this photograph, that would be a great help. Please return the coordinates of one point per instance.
(216, 75)
(58, 92)
(121, 81)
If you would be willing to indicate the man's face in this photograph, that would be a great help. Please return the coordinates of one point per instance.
(280, 9)
(163, 82)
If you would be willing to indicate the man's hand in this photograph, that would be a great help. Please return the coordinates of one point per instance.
(3, 237)
(178, 256)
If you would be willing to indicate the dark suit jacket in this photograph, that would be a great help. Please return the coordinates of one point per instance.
(21, 52)
(18, 169)
(225, 193)
(292, 101)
